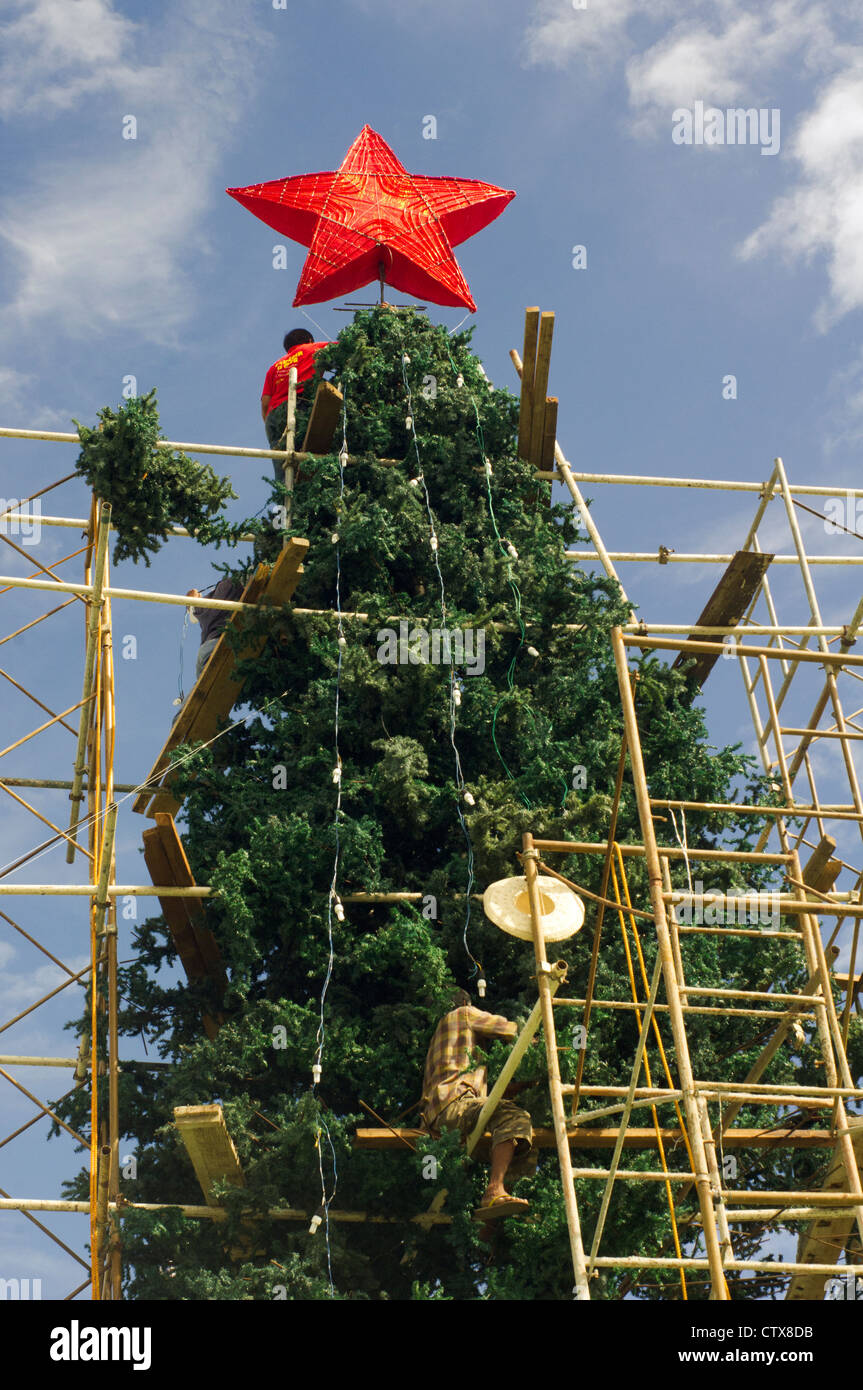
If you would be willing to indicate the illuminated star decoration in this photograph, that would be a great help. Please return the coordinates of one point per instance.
(371, 218)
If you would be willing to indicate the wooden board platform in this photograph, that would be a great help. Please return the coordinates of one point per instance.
(325, 415)
(726, 606)
(823, 1240)
(215, 693)
(376, 1138)
(197, 947)
(205, 1135)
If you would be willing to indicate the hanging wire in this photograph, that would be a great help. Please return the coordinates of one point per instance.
(505, 548)
(327, 1199)
(333, 900)
(453, 687)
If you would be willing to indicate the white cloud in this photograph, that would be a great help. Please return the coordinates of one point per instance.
(104, 241)
(823, 214)
(53, 54)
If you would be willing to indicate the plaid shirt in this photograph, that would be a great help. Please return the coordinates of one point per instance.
(446, 1075)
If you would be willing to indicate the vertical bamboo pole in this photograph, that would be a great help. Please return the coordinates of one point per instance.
(719, 1288)
(288, 465)
(829, 1033)
(543, 979)
(103, 513)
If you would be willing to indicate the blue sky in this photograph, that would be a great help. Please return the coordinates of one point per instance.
(124, 257)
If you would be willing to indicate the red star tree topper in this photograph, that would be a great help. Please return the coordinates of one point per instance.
(371, 217)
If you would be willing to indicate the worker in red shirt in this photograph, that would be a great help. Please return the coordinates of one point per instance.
(300, 351)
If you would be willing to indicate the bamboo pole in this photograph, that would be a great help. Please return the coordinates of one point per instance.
(665, 955)
(557, 974)
(696, 558)
(543, 977)
(665, 852)
(635, 639)
(94, 610)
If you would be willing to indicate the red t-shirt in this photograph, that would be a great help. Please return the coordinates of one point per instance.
(276, 381)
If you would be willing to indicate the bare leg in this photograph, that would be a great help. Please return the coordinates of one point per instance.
(501, 1157)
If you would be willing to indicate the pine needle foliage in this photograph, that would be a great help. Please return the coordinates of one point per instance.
(261, 828)
(150, 489)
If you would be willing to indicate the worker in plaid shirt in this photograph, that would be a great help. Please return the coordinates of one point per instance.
(454, 1093)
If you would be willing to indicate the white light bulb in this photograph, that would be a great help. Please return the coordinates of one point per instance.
(178, 701)
(335, 538)
(456, 696)
(433, 542)
(469, 801)
(343, 641)
(415, 482)
(531, 651)
(343, 458)
(409, 422)
(314, 1224)
(337, 775)
(511, 550)
(339, 910)
(317, 1072)
(405, 357)
(459, 381)
(480, 987)
(488, 472)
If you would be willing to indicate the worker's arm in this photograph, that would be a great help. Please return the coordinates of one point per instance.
(492, 1025)
(265, 402)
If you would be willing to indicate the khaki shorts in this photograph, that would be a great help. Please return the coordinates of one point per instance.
(507, 1122)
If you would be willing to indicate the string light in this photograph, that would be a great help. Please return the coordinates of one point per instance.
(459, 775)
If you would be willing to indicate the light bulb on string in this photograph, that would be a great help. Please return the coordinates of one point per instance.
(511, 550)
(469, 799)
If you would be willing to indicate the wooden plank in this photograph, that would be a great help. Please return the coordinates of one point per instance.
(726, 606)
(528, 363)
(549, 437)
(607, 1138)
(824, 1239)
(197, 947)
(540, 386)
(217, 690)
(205, 1135)
(325, 416)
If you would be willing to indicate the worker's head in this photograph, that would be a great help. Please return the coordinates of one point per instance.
(460, 999)
(296, 337)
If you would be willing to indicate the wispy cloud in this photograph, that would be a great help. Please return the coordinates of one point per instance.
(106, 240)
(733, 53)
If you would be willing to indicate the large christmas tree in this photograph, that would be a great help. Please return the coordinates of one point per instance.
(377, 761)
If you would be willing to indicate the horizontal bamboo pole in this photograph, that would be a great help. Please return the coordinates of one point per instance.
(632, 1175)
(58, 785)
(712, 991)
(684, 646)
(672, 558)
(599, 1114)
(669, 1262)
(88, 890)
(736, 931)
(738, 629)
(130, 1065)
(813, 1199)
(756, 1087)
(218, 1214)
(835, 810)
(782, 1214)
(715, 484)
(665, 851)
(687, 1008)
(223, 450)
(786, 906)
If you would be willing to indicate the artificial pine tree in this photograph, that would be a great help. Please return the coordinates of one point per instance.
(440, 769)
